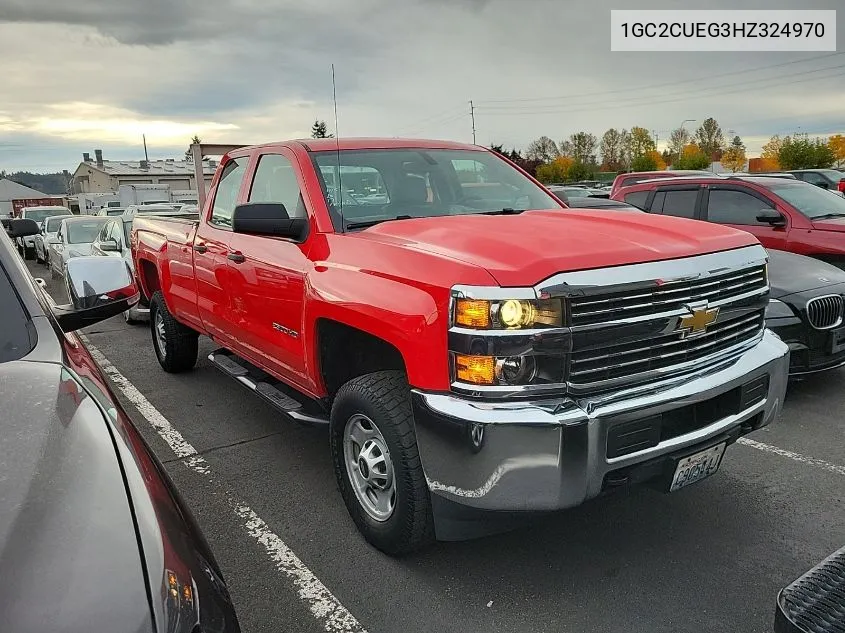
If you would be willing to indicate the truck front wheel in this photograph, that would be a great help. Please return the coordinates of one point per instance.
(176, 346)
(377, 464)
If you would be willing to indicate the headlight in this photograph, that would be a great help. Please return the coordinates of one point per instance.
(491, 370)
(778, 310)
(508, 313)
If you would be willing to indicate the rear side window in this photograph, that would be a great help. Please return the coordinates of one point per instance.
(727, 206)
(275, 181)
(680, 203)
(226, 195)
(637, 198)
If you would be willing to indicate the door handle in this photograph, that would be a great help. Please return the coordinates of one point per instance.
(236, 257)
(200, 248)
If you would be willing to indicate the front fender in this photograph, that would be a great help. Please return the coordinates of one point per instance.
(414, 319)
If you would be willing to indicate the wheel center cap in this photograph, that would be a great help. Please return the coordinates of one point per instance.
(362, 466)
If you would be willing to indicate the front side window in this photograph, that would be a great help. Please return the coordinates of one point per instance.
(226, 195)
(365, 187)
(275, 181)
(53, 225)
(728, 206)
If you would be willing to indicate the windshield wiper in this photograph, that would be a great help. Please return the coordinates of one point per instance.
(364, 225)
(505, 211)
(828, 216)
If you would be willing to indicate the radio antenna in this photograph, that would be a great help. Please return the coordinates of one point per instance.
(338, 180)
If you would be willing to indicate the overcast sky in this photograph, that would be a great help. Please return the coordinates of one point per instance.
(98, 73)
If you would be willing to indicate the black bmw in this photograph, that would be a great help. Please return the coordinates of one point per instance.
(806, 310)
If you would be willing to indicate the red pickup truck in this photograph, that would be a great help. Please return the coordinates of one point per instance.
(471, 347)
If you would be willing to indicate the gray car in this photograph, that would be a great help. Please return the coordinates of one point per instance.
(49, 229)
(74, 239)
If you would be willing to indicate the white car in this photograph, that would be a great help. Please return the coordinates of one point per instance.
(74, 239)
(109, 211)
(113, 241)
(26, 245)
(47, 236)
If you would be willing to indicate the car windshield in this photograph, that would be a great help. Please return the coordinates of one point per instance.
(83, 231)
(114, 211)
(39, 215)
(810, 200)
(53, 224)
(387, 184)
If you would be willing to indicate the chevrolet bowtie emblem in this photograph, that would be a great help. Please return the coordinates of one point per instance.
(698, 321)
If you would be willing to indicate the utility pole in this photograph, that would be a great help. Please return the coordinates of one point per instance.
(472, 115)
(144, 138)
(656, 138)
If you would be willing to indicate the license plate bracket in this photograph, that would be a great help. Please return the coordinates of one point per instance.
(694, 467)
(837, 340)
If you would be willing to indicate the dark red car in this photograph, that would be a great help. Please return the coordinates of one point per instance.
(784, 214)
(634, 177)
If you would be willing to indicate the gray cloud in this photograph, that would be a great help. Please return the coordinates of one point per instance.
(403, 66)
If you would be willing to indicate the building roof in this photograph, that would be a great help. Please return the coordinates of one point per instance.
(154, 168)
(10, 190)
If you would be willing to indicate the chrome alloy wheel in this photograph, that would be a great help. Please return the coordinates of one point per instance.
(158, 332)
(369, 467)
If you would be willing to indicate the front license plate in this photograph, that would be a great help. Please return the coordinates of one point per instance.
(696, 467)
(837, 340)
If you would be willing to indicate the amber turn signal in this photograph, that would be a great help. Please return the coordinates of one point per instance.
(476, 370)
(472, 313)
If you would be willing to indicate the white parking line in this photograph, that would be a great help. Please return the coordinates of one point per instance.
(798, 457)
(322, 604)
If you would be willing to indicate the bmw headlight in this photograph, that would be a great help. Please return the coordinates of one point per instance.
(778, 310)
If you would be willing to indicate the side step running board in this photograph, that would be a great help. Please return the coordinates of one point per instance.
(276, 393)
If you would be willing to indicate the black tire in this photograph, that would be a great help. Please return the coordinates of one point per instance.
(181, 343)
(384, 397)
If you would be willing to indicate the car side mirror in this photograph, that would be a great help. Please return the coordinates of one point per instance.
(771, 217)
(98, 288)
(268, 218)
(108, 246)
(23, 227)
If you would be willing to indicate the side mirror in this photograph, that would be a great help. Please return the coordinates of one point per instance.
(23, 227)
(268, 218)
(108, 246)
(99, 288)
(771, 217)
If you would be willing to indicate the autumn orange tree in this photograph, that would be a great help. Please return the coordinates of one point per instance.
(733, 158)
(555, 171)
(692, 158)
(771, 153)
(837, 146)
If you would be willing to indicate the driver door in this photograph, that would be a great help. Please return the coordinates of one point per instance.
(738, 207)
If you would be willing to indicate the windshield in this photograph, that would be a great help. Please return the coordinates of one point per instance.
(53, 224)
(39, 215)
(83, 231)
(810, 200)
(385, 184)
(114, 211)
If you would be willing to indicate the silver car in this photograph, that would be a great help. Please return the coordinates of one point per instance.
(26, 245)
(74, 239)
(113, 241)
(47, 236)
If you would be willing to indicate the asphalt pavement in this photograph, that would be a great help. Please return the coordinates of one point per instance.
(711, 557)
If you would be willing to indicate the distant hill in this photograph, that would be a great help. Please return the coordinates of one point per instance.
(51, 184)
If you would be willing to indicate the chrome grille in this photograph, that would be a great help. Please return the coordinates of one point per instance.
(673, 295)
(825, 312)
(628, 359)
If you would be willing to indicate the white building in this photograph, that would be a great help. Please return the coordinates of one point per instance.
(103, 176)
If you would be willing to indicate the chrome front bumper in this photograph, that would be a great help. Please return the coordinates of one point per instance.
(547, 455)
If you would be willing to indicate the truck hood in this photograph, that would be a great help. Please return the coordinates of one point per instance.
(69, 553)
(833, 224)
(522, 250)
